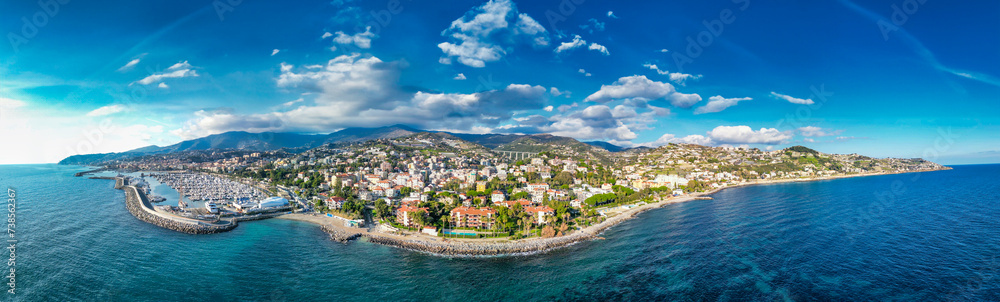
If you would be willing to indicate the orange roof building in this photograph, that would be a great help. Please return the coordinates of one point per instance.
(469, 217)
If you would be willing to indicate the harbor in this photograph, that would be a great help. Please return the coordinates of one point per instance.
(138, 205)
(201, 204)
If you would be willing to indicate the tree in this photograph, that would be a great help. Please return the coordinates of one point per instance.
(600, 199)
(382, 209)
(420, 218)
(548, 232)
(563, 178)
(694, 186)
(520, 195)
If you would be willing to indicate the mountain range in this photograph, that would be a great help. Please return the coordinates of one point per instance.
(270, 141)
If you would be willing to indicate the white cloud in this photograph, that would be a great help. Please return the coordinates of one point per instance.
(106, 110)
(670, 138)
(179, 70)
(163, 85)
(653, 67)
(292, 102)
(363, 91)
(676, 77)
(180, 66)
(696, 139)
(578, 42)
(548, 108)
(564, 108)
(813, 131)
(791, 99)
(208, 123)
(601, 122)
(681, 78)
(718, 103)
(362, 40)
(460, 76)
(128, 66)
(664, 50)
(746, 135)
(274, 52)
(485, 34)
(326, 35)
(640, 87)
(556, 92)
(594, 122)
(600, 48)
(584, 72)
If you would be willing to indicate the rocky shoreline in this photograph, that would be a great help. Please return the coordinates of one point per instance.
(464, 248)
(456, 248)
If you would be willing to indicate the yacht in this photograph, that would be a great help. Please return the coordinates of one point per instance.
(211, 207)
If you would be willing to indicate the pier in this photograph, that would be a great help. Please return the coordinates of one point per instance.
(78, 174)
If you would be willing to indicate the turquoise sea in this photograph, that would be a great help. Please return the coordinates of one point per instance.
(910, 237)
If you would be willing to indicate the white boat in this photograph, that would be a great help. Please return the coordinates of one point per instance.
(211, 207)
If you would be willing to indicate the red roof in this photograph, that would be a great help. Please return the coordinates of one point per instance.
(473, 211)
(407, 208)
(539, 209)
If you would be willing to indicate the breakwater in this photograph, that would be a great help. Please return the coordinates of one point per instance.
(339, 235)
(462, 249)
(78, 174)
(137, 204)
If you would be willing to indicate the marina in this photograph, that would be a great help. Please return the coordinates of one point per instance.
(202, 187)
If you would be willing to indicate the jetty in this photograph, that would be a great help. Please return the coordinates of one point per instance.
(78, 174)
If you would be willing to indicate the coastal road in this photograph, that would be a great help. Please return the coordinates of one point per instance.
(306, 207)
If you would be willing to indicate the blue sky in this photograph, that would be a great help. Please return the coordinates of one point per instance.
(840, 76)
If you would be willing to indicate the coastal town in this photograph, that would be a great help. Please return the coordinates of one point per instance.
(437, 188)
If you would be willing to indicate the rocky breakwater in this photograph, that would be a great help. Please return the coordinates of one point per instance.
(338, 234)
(138, 205)
(470, 248)
(493, 248)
